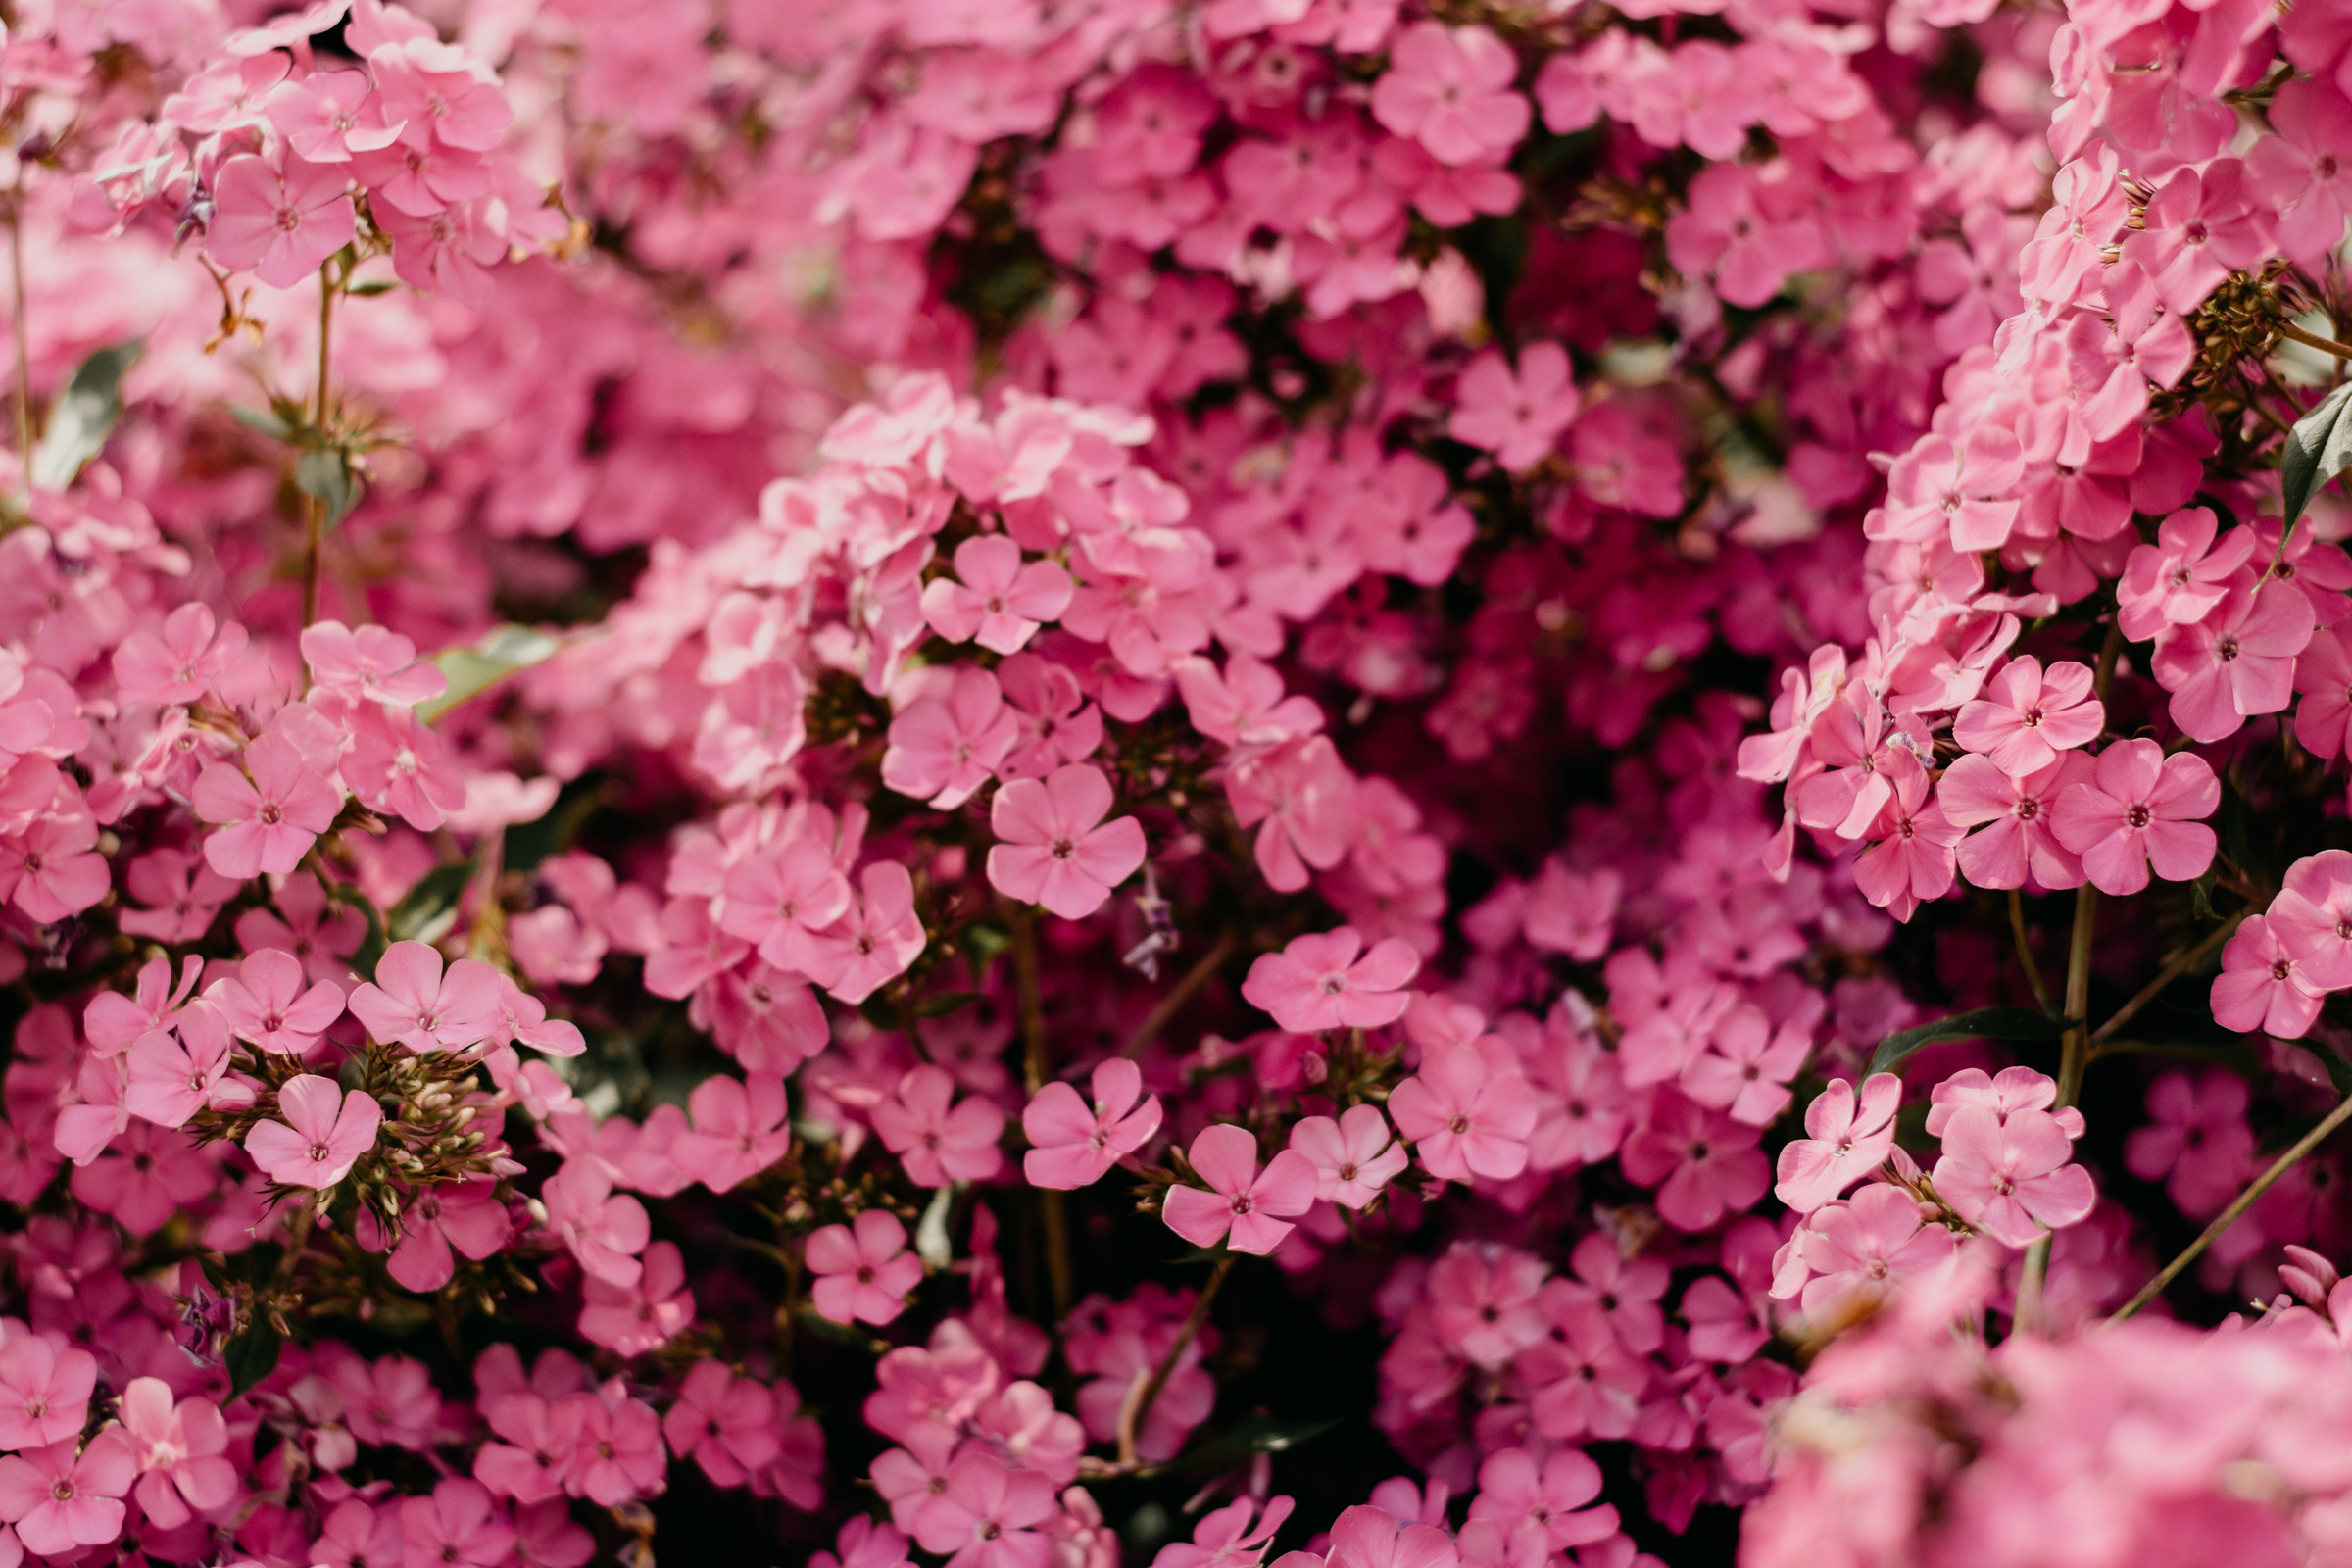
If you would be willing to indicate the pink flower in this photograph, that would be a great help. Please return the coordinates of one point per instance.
(2023, 840)
(983, 1515)
(2027, 715)
(726, 1424)
(1625, 1290)
(2238, 662)
(616, 1452)
(1075, 1144)
(179, 663)
(874, 942)
(864, 1273)
(397, 764)
(1354, 1156)
(2197, 1142)
(439, 95)
(181, 1451)
(2312, 917)
(1225, 1538)
(939, 1146)
(942, 748)
(50, 868)
(266, 1004)
(1462, 1117)
(1304, 797)
(634, 1319)
(60, 1500)
(328, 117)
(172, 1075)
(781, 898)
(1960, 492)
(2262, 985)
(320, 931)
(1365, 1537)
(1244, 1207)
(1572, 914)
(458, 1524)
(1517, 418)
(44, 1391)
(2324, 677)
(437, 1225)
(323, 1135)
(1869, 1244)
(1449, 88)
(1845, 1140)
(2178, 580)
(370, 664)
(1706, 1162)
(1543, 1502)
(2010, 1176)
(280, 223)
(1913, 858)
(740, 1129)
(1745, 1066)
(2198, 228)
(272, 819)
(2140, 808)
(413, 1002)
(603, 1229)
(1057, 850)
(182, 893)
(1318, 982)
(999, 602)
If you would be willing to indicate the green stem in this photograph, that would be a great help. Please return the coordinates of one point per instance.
(315, 509)
(1035, 1070)
(1132, 1419)
(2237, 1209)
(18, 331)
(1178, 995)
(2171, 972)
(2025, 950)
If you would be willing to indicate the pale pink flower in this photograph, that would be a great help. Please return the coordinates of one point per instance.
(1449, 88)
(60, 1500)
(178, 664)
(1353, 1157)
(1075, 1144)
(1517, 417)
(1913, 857)
(1301, 797)
(2021, 841)
(328, 116)
(2237, 661)
(181, 1449)
(1845, 1140)
(1244, 1207)
(942, 748)
(938, 1145)
(2262, 985)
(863, 1272)
(2027, 715)
(1462, 1117)
(1745, 1066)
(873, 942)
(399, 766)
(369, 663)
(323, 1135)
(999, 602)
(780, 898)
(2311, 916)
(2178, 580)
(266, 1004)
(270, 821)
(2010, 1176)
(2140, 808)
(281, 223)
(1870, 1243)
(1318, 982)
(1057, 851)
(44, 1391)
(175, 1074)
(413, 1003)
(1543, 1501)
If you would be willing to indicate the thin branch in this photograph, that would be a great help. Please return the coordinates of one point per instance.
(2171, 972)
(1137, 1409)
(2025, 951)
(2237, 1209)
(316, 508)
(18, 330)
(2312, 340)
(1178, 995)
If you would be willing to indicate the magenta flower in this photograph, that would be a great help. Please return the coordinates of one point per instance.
(178, 664)
(60, 1500)
(873, 942)
(1075, 1144)
(1517, 417)
(413, 1002)
(946, 746)
(2311, 916)
(266, 1004)
(1244, 1207)
(1463, 1118)
(2140, 809)
(1353, 1157)
(1449, 88)
(323, 1135)
(2011, 1177)
(1000, 602)
(2262, 985)
(1701, 1162)
(984, 1514)
(936, 1145)
(1318, 982)
(2238, 662)
(864, 1271)
(1845, 1138)
(270, 821)
(44, 1391)
(459, 1524)
(1057, 850)
(280, 223)
(181, 1449)
(726, 1424)
(2027, 715)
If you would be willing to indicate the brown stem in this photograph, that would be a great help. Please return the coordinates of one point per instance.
(1035, 1069)
(1138, 1409)
(1178, 995)
(2237, 1209)
(18, 331)
(2171, 972)
(2312, 340)
(315, 509)
(2025, 950)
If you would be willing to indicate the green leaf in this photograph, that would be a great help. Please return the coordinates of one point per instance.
(2318, 449)
(500, 652)
(327, 476)
(371, 947)
(269, 425)
(944, 1002)
(431, 907)
(252, 1355)
(1253, 1436)
(1984, 1023)
(374, 286)
(83, 417)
